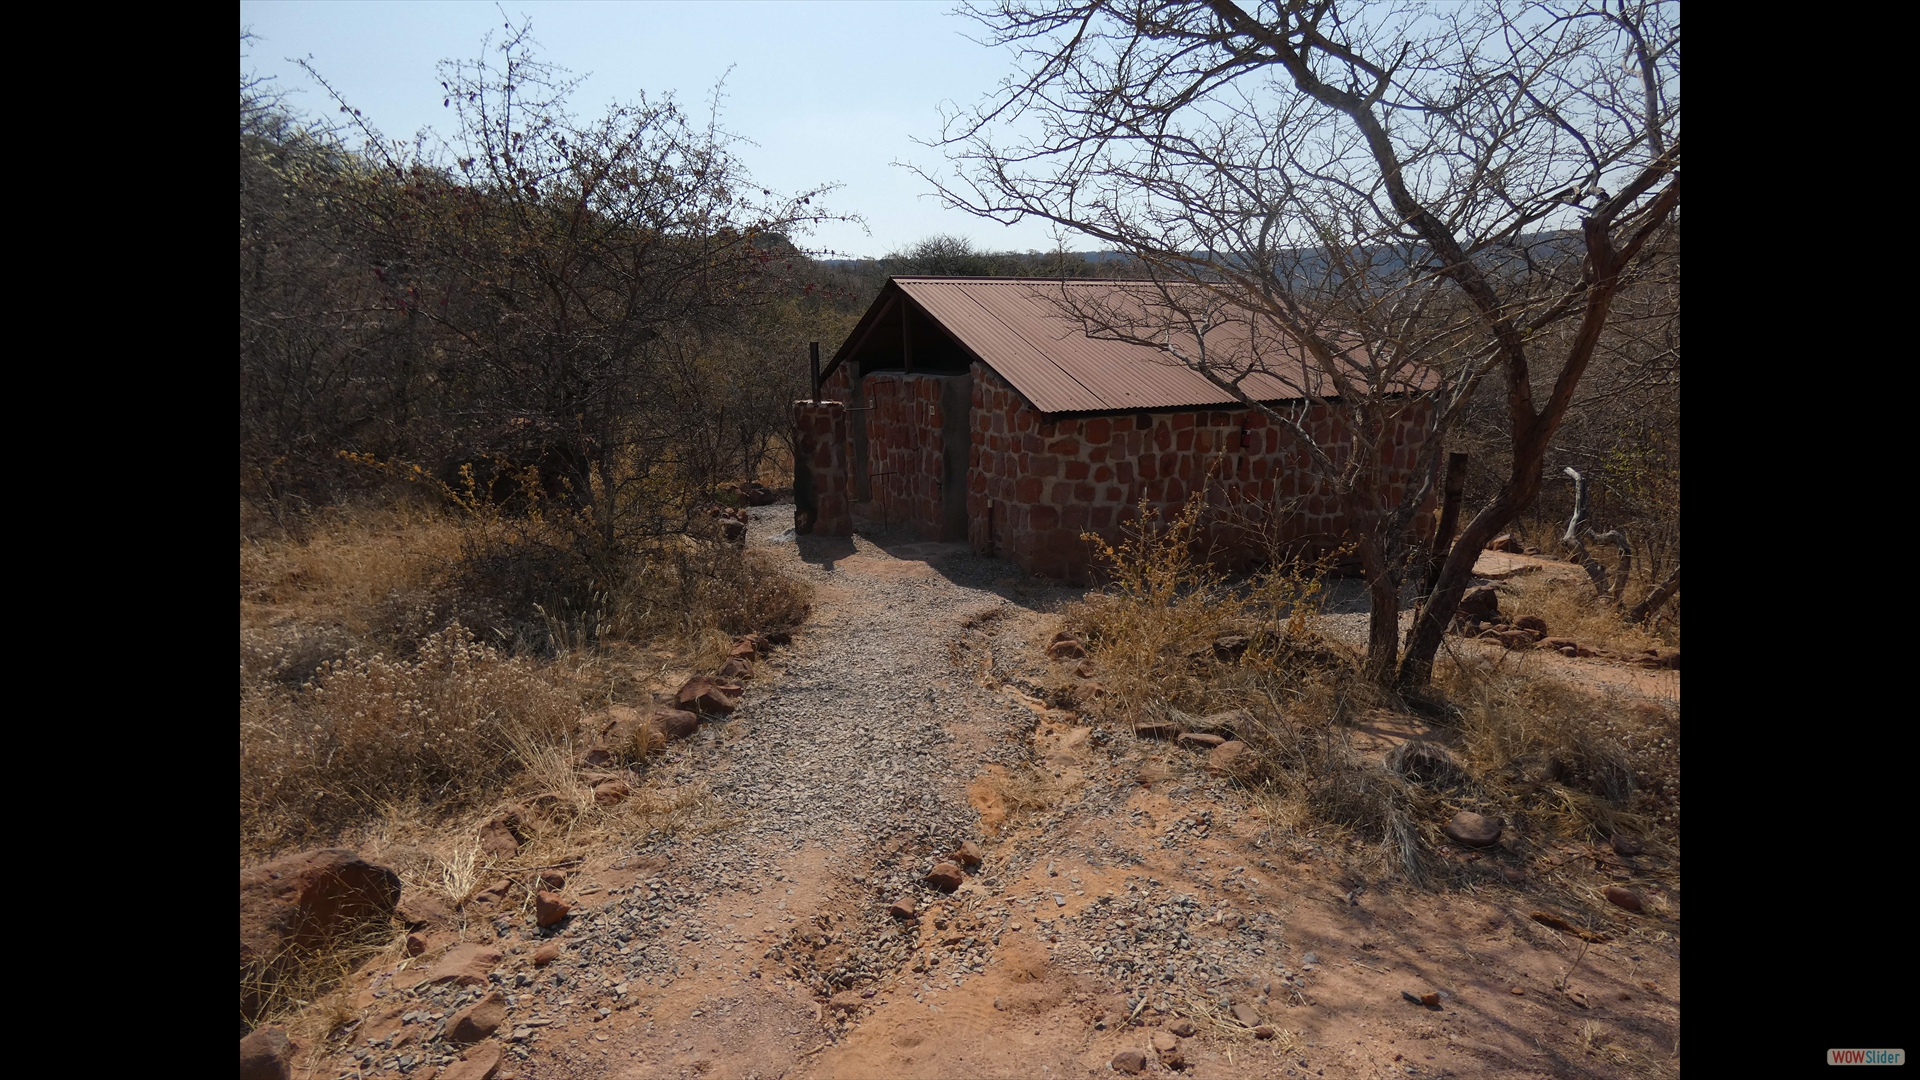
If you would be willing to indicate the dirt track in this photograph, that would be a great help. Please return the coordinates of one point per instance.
(1147, 891)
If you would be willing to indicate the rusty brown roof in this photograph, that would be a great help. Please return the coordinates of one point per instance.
(1033, 333)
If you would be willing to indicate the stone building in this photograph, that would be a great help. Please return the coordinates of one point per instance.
(972, 409)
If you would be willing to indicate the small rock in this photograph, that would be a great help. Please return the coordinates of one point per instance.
(1129, 1061)
(1156, 730)
(1472, 830)
(1627, 845)
(1265, 1031)
(416, 944)
(1237, 760)
(945, 876)
(1515, 990)
(706, 694)
(736, 668)
(480, 1063)
(1532, 624)
(465, 965)
(967, 855)
(612, 792)
(549, 908)
(554, 879)
(1430, 1000)
(546, 954)
(1084, 669)
(1163, 1041)
(902, 908)
(419, 909)
(1182, 1027)
(497, 839)
(674, 723)
(1480, 602)
(1200, 740)
(1066, 647)
(1625, 898)
(1504, 542)
(267, 1054)
(478, 1020)
(1246, 1014)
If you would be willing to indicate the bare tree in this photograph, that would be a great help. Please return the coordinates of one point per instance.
(1392, 203)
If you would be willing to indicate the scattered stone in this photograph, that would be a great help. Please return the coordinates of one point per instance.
(549, 908)
(419, 909)
(1480, 602)
(1156, 730)
(1504, 542)
(297, 905)
(546, 954)
(902, 908)
(1532, 624)
(1200, 740)
(1515, 990)
(1569, 651)
(1265, 1031)
(554, 879)
(1627, 845)
(1473, 830)
(706, 694)
(416, 944)
(497, 837)
(1084, 669)
(612, 792)
(1247, 1015)
(267, 1054)
(674, 723)
(478, 1020)
(1182, 1027)
(1129, 1061)
(1659, 658)
(480, 1063)
(945, 876)
(1430, 1000)
(465, 965)
(1237, 760)
(1625, 898)
(1066, 647)
(1164, 1041)
(967, 855)
(736, 668)
(1515, 639)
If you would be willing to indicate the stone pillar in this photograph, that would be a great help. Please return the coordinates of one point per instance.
(820, 500)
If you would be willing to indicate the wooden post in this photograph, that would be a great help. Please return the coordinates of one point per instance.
(906, 335)
(1449, 518)
(813, 347)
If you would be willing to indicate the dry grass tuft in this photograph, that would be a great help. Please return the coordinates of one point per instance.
(1571, 610)
(448, 728)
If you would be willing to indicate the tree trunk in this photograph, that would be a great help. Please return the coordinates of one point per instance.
(1656, 599)
(1383, 622)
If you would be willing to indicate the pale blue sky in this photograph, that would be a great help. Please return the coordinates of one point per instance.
(830, 92)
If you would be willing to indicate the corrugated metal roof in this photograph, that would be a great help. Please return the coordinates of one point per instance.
(1033, 333)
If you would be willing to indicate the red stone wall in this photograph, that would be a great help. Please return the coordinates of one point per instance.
(1035, 486)
(820, 439)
